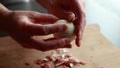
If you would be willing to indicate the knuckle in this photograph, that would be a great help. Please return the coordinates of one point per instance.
(61, 42)
(44, 31)
(49, 29)
(58, 27)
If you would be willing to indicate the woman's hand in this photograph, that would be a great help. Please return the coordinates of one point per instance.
(71, 10)
(24, 26)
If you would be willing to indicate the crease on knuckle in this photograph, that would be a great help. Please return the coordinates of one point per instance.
(61, 42)
(44, 30)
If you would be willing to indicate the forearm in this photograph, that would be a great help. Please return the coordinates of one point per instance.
(4, 12)
(45, 3)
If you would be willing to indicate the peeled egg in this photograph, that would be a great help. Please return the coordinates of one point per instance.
(69, 31)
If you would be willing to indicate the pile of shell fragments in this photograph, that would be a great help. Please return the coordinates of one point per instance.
(59, 59)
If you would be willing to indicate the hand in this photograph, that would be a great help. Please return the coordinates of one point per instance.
(70, 10)
(24, 26)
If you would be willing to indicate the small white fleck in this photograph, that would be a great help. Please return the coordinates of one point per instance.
(71, 65)
(65, 50)
(58, 64)
(63, 55)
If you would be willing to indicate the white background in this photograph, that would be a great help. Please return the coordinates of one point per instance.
(106, 13)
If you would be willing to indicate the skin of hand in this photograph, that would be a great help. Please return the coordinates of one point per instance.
(25, 26)
(71, 10)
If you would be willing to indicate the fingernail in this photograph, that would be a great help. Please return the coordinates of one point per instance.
(77, 43)
(65, 27)
(62, 27)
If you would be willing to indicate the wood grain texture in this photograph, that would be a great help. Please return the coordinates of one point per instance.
(95, 50)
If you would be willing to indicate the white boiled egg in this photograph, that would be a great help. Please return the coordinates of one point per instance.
(69, 31)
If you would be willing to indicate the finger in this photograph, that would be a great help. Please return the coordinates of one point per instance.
(42, 17)
(79, 27)
(66, 46)
(38, 29)
(57, 43)
(47, 45)
(79, 23)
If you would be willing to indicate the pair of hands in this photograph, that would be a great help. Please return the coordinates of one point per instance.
(24, 26)
(71, 10)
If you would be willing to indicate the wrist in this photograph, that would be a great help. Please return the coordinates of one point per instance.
(4, 16)
(45, 3)
(4, 11)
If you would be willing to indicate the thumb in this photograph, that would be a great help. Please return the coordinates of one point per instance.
(69, 16)
(62, 13)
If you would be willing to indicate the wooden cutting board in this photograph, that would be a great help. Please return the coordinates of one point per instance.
(95, 50)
